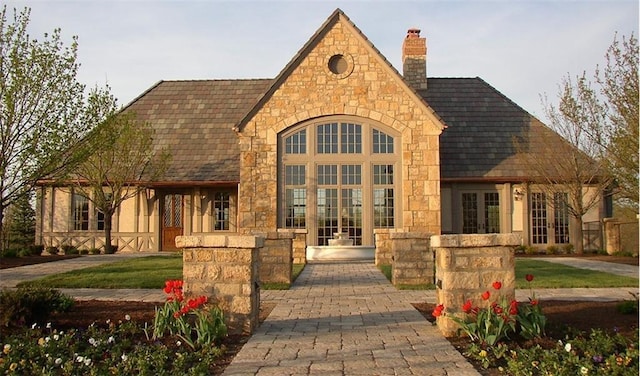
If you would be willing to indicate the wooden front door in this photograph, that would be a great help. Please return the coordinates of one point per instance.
(171, 221)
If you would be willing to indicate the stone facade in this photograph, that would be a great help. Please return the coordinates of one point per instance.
(384, 254)
(467, 266)
(276, 258)
(225, 269)
(412, 259)
(299, 245)
(370, 89)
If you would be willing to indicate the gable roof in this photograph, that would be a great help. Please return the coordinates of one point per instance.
(337, 16)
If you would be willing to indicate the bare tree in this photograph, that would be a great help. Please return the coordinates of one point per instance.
(40, 107)
(118, 159)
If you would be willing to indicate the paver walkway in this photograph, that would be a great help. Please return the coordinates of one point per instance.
(347, 319)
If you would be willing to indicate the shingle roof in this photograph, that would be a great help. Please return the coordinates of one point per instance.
(194, 119)
(482, 125)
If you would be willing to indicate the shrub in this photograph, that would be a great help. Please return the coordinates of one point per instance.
(521, 249)
(552, 250)
(9, 253)
(69, 250)
(531, 250)
(568, 248)
(52, 250)
(31, 305)
(94, 251)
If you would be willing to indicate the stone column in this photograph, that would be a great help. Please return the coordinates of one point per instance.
(383, 251)
(225, 269)
(299, 244)
(612, 235)
(276, 258)
(412, 258)
(467, 266)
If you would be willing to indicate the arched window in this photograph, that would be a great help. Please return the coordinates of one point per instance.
(339, 174)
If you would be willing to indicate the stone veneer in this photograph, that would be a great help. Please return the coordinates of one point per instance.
(276, 258)
(225, 269)
(383, 255)
(299, 244)
(412, 258)
(369, 89)
(467, 266)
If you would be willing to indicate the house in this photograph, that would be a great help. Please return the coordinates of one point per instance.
(338, 142)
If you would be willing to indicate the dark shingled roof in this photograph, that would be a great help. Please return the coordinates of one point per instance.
(482, 125)
(194, 119)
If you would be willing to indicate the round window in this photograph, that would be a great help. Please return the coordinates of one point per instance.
(338, 64)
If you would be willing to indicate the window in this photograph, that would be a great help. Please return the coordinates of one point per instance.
(100, 214)
(221, 208)
(341, 182)
(80, 212)
(480, 212)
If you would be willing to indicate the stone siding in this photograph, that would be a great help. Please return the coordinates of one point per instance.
(369, 89)
(276, 258)
(412, 259)
(467, 266)
(225, 269)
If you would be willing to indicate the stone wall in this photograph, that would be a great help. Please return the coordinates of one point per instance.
(412, 258)
(467, 266)
(276, 258)
(384, 254)
(299, 244)
(225, 269)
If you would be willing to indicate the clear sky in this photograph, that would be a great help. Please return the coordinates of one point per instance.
(522, 48)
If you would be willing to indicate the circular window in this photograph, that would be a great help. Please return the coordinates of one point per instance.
(338, 64)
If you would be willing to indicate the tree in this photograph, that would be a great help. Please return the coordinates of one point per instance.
(118, 159)
(41, 104)
(600, 127)
(618, 134)
(21, 224)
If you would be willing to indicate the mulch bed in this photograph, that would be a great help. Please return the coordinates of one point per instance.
(12, 262)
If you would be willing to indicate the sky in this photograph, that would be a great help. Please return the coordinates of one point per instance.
(522, 48)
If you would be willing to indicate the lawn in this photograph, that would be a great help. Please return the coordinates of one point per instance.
(549, 275)
(151, 272)
(140, 273)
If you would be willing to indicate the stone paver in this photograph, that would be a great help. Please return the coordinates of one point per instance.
(347, 319)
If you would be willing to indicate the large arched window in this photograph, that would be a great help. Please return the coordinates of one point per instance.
(339, 174)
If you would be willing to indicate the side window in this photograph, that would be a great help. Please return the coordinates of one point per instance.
(80, 212)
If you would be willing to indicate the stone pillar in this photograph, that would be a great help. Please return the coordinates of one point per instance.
(225, 269)
(383, 251)
(612, 235)
(276, 258)
(467, 266)
(412, 258)
(299, 244)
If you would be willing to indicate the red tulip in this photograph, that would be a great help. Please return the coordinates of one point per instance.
(437, 312)
(467, 306)
(486, 295)
(497, 285)
(529, 277)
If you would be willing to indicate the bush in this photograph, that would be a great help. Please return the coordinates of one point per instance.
(9, 253)
(69, 250)
(568, 248)
(27, 305)
(531, 250)
(52, 250)
(552, 250)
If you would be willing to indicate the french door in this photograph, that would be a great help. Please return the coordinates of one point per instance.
(549, 219)
(171, 221)
(480, 212)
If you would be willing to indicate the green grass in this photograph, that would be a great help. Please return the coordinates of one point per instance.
(139, 273)
(549, 275)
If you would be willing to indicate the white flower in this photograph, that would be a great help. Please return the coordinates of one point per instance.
(47, 339)
(48, 325)
(7, 348)
(58, 361)
(123, 357)
(111, 340)
(127, 317)
(567, 347)
(108, 321)
(56, 337)
(80, 359)
(584, 370)
(34, 325)
(93, 342)
(87, 362)
(179, 343)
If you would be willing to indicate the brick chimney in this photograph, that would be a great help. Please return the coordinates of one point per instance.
(414, 59)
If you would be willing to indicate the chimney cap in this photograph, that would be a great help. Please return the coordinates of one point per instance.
(413, 32)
